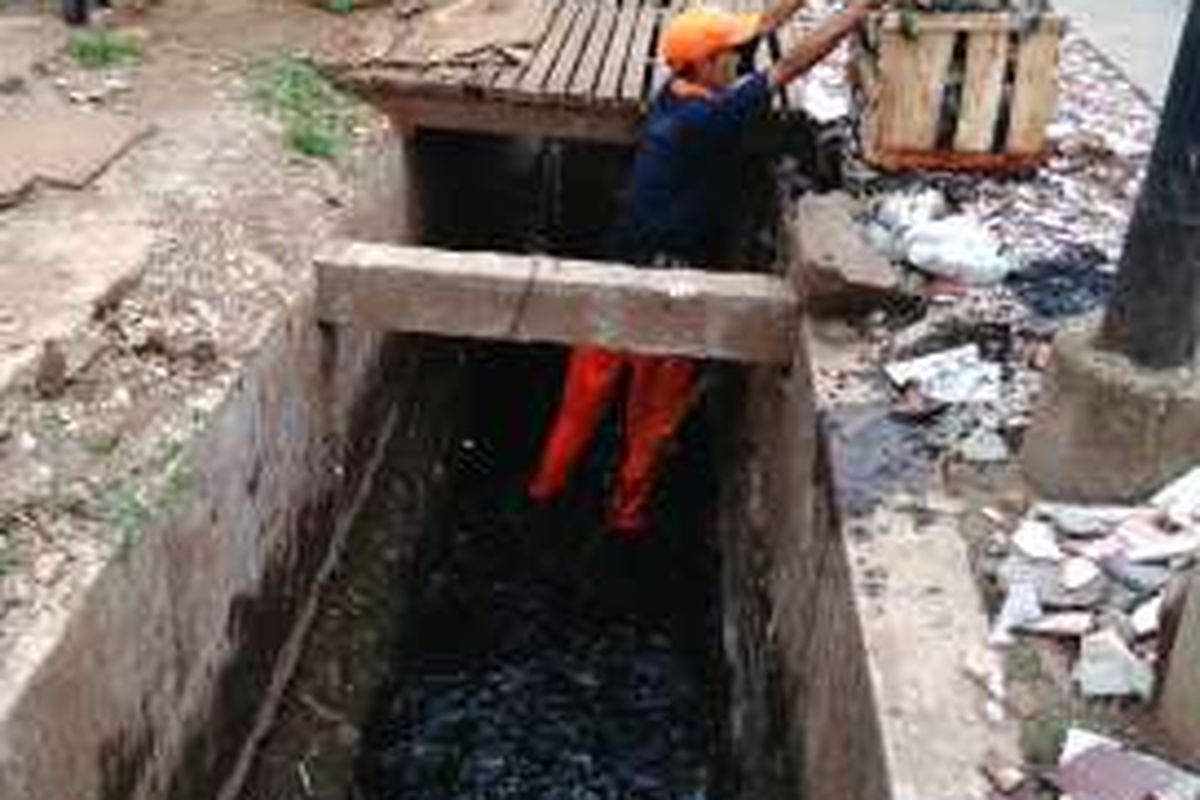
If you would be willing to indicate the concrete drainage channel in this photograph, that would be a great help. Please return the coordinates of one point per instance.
(357, 604)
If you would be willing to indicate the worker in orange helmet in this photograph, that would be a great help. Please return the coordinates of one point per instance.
(684, 177)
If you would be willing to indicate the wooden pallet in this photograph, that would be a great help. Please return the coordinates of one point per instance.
(956, 91)
(590, 74)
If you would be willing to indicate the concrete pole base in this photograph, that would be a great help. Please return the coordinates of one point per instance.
(1107, 430)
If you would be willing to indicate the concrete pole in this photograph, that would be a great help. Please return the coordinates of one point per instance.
(1153, 319)
(1154, 315)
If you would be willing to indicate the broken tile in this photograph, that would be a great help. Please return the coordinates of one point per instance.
(1145, 617)
(1099, 550)
(1181, 496)
(1108, 668)
(1142, 578)
(959, 375)
(1067, 624)
(984, 446)
(1036, 539)
(1145, 541)
(1005, 776)
(1077, 572)
(1046, 576)
(1115, 618)
(1082, 520)
(1079, 740)
(1113, 773)
(1020, 606)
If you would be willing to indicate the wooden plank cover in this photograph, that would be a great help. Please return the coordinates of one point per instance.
(983, 84)
(740, 316)
(1035, 90)
(597, 50)
(609, 86)
(567, 65)
(487, 78)
(640, 52)
(550, 49)
(909, 107)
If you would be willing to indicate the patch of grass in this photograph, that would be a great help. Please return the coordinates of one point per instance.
(315, 139)
(103, 444)
(100, 49)
(127, 513)
(162, 487)
(341, 6)
(8, 558)
(1023, 663)
(1042, 737)
(316, 116)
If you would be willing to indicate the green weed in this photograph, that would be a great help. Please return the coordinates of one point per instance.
(127, 513)
(341, 6)
(315, 115)
(1042, 737)
(100, 49)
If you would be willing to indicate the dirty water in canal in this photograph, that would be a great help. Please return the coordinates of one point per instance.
(473, 646)
(544, 659)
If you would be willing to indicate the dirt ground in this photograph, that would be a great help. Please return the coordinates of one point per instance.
(217, 218)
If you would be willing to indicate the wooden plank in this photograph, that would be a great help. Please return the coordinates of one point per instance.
(955, 23)
(909, 107)
(609, 87)
(597, 50)
(546, 54)
(983, 84)
(746, 317)
(611, 124)
(1035, 91)
(640, 55)
(487, 77)
(559, 79)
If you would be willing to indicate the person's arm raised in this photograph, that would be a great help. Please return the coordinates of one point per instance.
(818, 44)
(778, 14)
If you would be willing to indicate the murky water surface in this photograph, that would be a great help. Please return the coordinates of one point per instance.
(544, 659)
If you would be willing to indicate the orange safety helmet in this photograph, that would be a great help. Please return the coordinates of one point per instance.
(700, 33)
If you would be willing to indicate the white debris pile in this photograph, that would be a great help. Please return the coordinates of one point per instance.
(1101, 139)
(972, 400)
(1100, 575)
(917, 228)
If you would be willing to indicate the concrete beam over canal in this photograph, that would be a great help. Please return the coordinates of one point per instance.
(736, 316)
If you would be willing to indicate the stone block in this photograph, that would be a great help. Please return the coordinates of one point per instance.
(840, 270)
(745, 317)
(1107, 430)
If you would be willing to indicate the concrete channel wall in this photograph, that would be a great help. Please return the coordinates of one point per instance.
(802, 719)
(174, 648)
(840, 689)
(155, 684)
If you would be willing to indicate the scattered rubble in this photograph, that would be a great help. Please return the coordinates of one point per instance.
(1005, 776)
(953, 376)
(1093, 767)
(1108, 668)
(1097, 573)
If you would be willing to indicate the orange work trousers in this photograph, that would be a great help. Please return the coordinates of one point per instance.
(658, 397)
